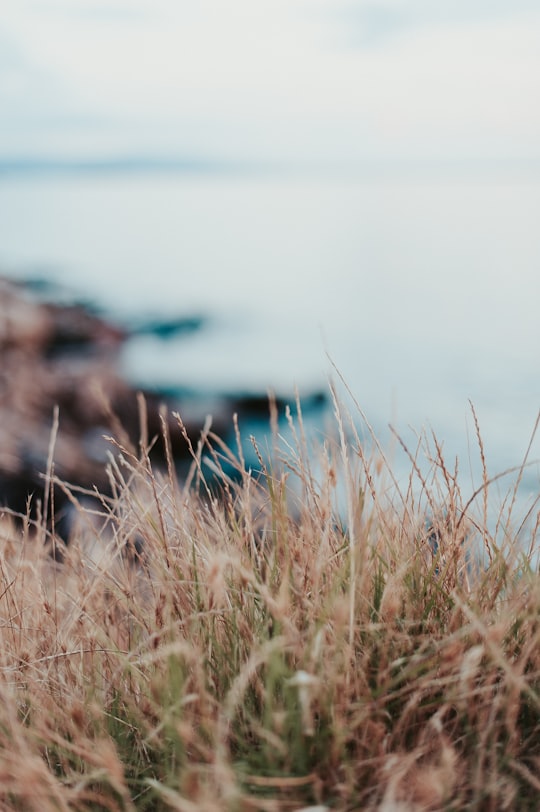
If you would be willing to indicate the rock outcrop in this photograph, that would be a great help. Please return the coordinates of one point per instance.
(64, 358)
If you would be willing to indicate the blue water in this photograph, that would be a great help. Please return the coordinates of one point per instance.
(423, 291)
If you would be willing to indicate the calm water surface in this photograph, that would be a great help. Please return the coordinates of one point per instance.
(424, 292)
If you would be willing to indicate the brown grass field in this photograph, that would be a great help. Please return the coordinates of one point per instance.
(308, 636)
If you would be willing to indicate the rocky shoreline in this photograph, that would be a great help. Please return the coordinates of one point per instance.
(58, 357)
(65, 358)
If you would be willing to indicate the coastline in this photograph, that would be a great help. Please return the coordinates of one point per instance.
(64, 397)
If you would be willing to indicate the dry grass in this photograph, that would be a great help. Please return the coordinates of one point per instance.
(245, 644)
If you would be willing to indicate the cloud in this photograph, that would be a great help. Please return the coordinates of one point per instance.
(474, 83)
(280, 77)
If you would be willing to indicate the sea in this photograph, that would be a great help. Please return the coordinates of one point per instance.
(416, 293)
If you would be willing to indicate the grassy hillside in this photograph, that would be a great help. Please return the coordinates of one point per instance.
(310, 635)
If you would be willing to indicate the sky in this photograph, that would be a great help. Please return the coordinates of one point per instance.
(271, 80)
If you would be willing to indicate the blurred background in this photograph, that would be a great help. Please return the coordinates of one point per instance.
(358, 179)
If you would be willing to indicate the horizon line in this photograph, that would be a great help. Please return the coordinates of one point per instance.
(143, 164)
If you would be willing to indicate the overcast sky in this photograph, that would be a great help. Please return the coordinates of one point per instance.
(271, 79)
